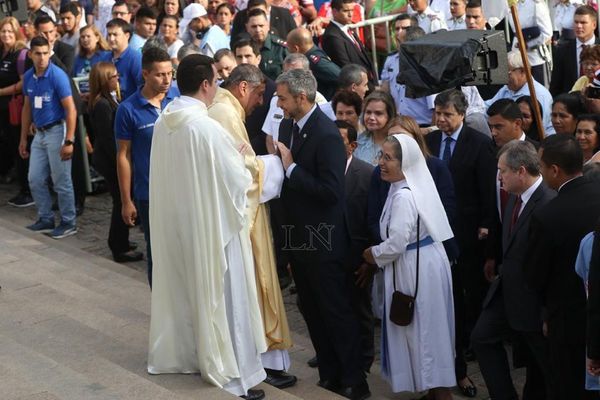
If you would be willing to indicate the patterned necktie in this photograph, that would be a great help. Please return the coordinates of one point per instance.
(515, 214)
(447, 151)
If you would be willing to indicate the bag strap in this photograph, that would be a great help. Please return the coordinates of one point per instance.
(387, 231)
(21, 62)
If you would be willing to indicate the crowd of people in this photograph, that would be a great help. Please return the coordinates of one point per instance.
(255, 143)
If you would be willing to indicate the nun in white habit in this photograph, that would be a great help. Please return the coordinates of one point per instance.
(419, 356)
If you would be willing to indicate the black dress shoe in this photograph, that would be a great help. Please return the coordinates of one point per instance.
(356, 392)
(128, 256)
(470, 390)
(279, 379)
(254, 394)
(331, 385)
(313, 362)
(133, 245)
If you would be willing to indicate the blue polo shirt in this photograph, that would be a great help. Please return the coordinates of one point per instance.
(45, 94)
(83, 65)
(129, 67)
(134, 121)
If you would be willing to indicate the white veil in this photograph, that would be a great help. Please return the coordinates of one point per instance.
(423, 189)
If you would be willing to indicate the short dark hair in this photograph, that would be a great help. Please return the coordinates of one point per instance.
(243, 42)
(43, 19)
(452, 97)
(587, 10)
(229, 7)
(401, 17)
(474, 4)
(145, 12)
(564, 152)
(39, 41)
(192, 71)
(337, 4)
(348, 98)
(506, 108)
(119, 3)
(70, 7)
(120, 23)
(222, 53)
(352, 134)
(173, 17)
(256, 3)
(255, 12)
(154, 55)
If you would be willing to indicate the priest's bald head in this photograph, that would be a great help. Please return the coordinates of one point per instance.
(197, 77)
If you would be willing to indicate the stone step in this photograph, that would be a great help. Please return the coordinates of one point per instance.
(75, 326)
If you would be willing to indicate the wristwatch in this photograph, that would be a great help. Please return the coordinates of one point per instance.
(68, 142)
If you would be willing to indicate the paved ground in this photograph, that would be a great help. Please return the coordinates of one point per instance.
(90, 244)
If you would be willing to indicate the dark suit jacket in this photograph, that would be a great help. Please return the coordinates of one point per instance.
(280, 19)
(565, 71)
(66, 54)
(343, 51)
(313, 195)
(593, 332)
(523, 305)
(473, 170)
(358, 180)
(556, 231)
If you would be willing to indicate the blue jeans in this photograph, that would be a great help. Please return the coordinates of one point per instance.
(45, 162)
(143, 215)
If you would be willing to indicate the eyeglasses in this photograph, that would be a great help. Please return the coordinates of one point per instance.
(118, 14)
(385, 157)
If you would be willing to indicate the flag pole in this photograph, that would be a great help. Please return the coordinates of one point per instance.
(521, 42)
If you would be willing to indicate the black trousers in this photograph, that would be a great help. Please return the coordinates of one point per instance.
(78, 172)
(461, 341)
(118, 233)
(361, 303)
(324, 295)
(489, 335)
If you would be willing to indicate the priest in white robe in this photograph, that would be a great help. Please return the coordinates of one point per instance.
(238, 96)
(204, 315)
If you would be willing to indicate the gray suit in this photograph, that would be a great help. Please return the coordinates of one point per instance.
(512, 310)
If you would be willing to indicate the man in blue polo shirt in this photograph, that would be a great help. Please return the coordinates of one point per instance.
(134, 125)
(49, 106)
(127, 61)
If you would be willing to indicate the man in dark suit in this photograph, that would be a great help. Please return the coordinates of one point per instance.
(567, 67)
(511, 308)
(46, 27)
(556, 231)
(317, 239)
(470, 157)
(280, 19)
(342, 44)
(357, 183)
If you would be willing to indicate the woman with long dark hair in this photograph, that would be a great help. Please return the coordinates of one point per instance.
(104, 80)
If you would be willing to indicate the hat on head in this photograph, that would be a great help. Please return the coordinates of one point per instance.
(192, 11)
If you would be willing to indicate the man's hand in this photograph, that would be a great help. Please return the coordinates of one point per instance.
(592, 366)
(489, 269)
(482, 233)
(368, 256)
(23, 149)
(286, 155)
(66, 152)
(244, 149)
(364, 274)
(129, 213)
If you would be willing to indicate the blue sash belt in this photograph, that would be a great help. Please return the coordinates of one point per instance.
(422, 243)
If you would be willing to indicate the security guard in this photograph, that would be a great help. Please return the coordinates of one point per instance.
(273, 49)
(326, 72)
(430, 20)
